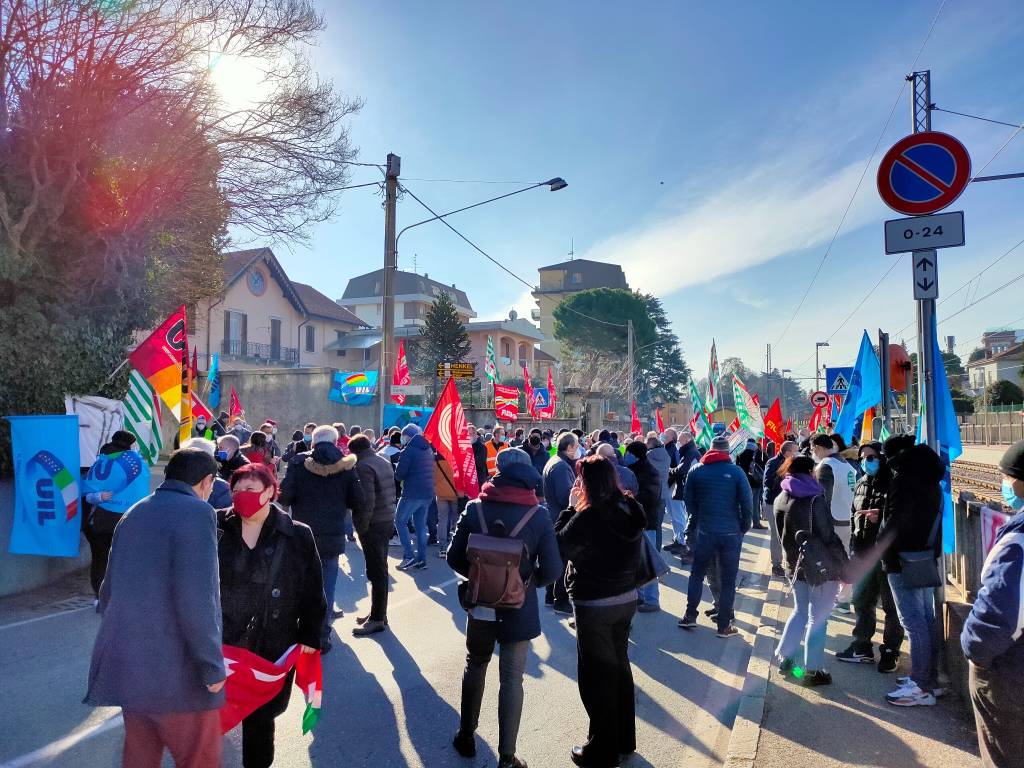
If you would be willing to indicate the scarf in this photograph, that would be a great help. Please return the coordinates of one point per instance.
(713, 457)
(801, 486)
(509, 494)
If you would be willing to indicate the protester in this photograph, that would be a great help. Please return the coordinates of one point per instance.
(240, 429)
(718, 503)
(229, 456)
(518, 438)
(804, 520)
(343, 437)
(991, 637)
(415, 471)
(869, 499)
(495, 445)
(479, 456)
(504, 503)
(628, 481)
(256, 450)
(158, 650)
(534, 446)
(559, 478)
(271, 591)
(321, 487)
(689, 457)
(649, 495)
(447, 498)
(838, 478)
(207, 431)
(752, 461)
(911, 522)
(220, 496)
(600, 534)
(771, 487)
(393, 447)
(269, 428)
(295, 447)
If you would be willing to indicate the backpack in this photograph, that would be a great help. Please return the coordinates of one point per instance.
(494, 577)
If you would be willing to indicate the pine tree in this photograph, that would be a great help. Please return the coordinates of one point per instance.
(443, 339)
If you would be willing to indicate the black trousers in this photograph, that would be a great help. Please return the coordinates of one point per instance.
(998, 713)
(99, 532)
(258, 739)
(605, 680)
(375, 552)
(872, 588)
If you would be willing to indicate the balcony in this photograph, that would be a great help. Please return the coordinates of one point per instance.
(256, 351)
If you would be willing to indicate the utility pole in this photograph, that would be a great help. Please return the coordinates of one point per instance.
(629, 356)
(921, 120)
(387, 328)
(883, 355)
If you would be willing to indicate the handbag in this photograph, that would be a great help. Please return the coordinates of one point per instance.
(652, 564)
(822, 561)
(921, 569)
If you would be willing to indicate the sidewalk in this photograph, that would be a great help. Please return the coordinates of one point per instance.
(849, 723)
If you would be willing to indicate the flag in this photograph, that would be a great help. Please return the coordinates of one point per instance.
(658, 423)
(185, 423)
(199, 408)
(46, 459)
(634, 424)
(490, 367)
(773, 423)
(865, 389)
(884, 434)
(213, 382)
(835, 408)
(867, 430)
(159, 359)
(789, 427)
(252, 681)
(506, 402)
(355, 388)
(236, 405)
(735, 425)
(124, 474)
(448, 433)
(549, 412)
(142, 416)
(528, 391)
(817, 422)
(700, 424)
(401, 376)
(714, 377)
(747, 409)
(195, 365)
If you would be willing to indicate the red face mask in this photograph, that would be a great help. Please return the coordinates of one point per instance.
(247, 503)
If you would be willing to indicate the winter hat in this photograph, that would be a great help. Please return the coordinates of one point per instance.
(411, 430)
(511, 456)
(604, 436)
(638, 449)
(897, 444)
(123, 439)
(1012, 463)
(720, 444)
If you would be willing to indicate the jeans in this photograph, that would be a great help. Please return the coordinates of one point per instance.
(775, 543)
(481, 637)
(649, 592)
(329, 553)
(677, 514)
(809, 623)
(916, 609)
(872, 588)
(605, 680)
(998, 712)
(447, 516)
(415, 510)
(374, 542)
(726, 547)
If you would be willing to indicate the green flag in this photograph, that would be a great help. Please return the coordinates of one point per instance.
(714, 378)
(747, 411)
(490, 368)
(701, 424)
(142, 418)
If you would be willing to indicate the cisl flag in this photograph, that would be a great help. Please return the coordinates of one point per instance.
(448, 433)
(252, 681)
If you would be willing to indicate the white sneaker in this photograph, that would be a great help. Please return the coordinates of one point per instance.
(910, 696)
(908, 682)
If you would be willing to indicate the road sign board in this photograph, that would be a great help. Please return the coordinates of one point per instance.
(926, 275)
(406, 389)
(837, 380)
(923, 173)
(941, 230)
(456, 370)
(819, 399)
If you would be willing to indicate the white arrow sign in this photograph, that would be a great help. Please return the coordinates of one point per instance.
(926, 275)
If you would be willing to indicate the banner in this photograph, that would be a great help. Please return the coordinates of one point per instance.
(98, 419)
(506, 402)
(738, 441)
(448, 433)
(401, 375)
(44, 450)
(401, 415)
(252, 681)
(124, 474)
(353, 388)
(158, 359)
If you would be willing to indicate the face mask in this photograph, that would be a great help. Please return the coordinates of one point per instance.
(273, 431)
(201, 424)
(629, 459)
(307, 438)
(1013, 501)
(871, 466)
(247, 503)
(222, 455)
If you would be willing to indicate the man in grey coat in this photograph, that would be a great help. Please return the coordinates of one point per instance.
(158, 651)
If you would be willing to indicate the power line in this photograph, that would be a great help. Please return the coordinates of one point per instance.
(860, 181)
(988, 295)
(998, 151)
(975, 117)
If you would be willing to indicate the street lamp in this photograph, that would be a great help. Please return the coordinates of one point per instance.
(817, 364)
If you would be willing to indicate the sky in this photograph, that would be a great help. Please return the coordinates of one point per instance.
(712, 153)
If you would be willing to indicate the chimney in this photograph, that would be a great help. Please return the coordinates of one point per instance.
(950, 344)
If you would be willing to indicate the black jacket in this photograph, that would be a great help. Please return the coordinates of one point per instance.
(752, 461)
(320, 487)
(869, 493)
(602, 544)
(229, 466)
(480, 460)
(377, 479)
(689, 456)
(268, 618)
(807, 513)
(772, 484)
(913, 503)
(649, 480)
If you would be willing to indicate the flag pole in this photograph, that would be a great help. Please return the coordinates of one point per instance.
(116, 370)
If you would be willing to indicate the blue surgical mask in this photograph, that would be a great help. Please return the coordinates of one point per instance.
(871, 466)
(307, 438)
(1013, 501)
(222, 455)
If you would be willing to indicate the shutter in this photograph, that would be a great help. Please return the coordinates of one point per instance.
(245, 333)
(225, 344)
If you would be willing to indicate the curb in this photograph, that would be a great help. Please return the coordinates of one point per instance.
(746, 729)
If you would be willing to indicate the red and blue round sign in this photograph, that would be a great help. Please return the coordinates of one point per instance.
(923, 173)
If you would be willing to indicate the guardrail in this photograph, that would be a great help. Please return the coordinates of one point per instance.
(963, 566)
(992, 427)
(239, 348)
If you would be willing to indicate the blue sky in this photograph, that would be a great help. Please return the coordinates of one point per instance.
(709, 152)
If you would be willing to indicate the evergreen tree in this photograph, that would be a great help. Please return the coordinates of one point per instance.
(443, 339)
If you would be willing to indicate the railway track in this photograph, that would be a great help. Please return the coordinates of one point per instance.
(982, 479)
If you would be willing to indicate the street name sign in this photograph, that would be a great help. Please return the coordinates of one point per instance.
(819, 399)
(926, 275)
(923, 173)
(941, 230)
(456, 370)
(406, 389)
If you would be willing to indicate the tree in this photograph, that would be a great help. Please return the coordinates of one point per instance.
(962, 402)
(1004, 393)
(792, 398)
(953, 364)
(976, 355)
(443, 339)
(661, 369)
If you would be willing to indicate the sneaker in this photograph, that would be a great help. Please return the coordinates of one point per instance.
(888, 660)
(843, 607)
(853, 655)
(465, 744)
(420, 565)
(907, 681)
(674, 547)
(910, 696)
(337, 613)
(565, 609)
(406, 563)
(727, 631)
(816, 677)
(648, 608)
(511, 761)
(571, 623)
(711, 613)
(687, 622)
(778, 570)
(442, 553)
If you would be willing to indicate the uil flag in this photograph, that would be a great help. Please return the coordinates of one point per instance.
(634, 419)
(252, 681)
(159, 359)
(865, 389)
(490, 367)
(185, 423)
(448, 433)
(401, 375)
(528, 391)
(773, 423)
(714, 376)
(236, 405)
(213, 382)
(658, 423)
(506, 402)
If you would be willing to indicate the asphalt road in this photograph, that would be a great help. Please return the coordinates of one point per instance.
(392, 700)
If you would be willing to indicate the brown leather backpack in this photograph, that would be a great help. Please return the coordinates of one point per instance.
(494, 577)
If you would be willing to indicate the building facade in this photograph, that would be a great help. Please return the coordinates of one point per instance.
(1002, 366)
(413, 296)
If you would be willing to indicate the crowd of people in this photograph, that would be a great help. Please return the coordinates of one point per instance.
(240, 544)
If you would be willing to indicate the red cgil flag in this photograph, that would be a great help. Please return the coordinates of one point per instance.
(657, 421)
(773, 423)
(634, 423)
(199, 408)
(549, 412)
(448, 433)
(401, 376)
(735, 425)
(531, 402)
(252, 681)
(789, 427)
(236, 405)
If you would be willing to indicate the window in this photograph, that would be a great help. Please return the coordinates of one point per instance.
(376, 288)
(576, 278)
(310, 338)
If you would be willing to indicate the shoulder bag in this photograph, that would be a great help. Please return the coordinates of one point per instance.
(921, 569)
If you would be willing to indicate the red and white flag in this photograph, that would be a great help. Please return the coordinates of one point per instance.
(658, 423)
(401, 375)
(634, 421)
(531, 401)
(506, 402)
(448, 433)
(252, 681)
(549, 412)
(236, 404)
(199, 408)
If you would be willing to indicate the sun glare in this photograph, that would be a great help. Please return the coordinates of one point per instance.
(240, 81)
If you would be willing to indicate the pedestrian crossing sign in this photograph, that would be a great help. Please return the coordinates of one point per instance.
(837, 380)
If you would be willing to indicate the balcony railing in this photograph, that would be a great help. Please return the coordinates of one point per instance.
(257, 351)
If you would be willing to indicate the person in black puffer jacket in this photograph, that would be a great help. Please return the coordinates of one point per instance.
(600, 533)
(649, 496)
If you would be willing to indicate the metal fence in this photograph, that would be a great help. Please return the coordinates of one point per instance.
(963, 566)
(992, 427)
(239, 348)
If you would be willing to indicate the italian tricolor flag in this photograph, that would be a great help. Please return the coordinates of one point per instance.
(252, 681)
